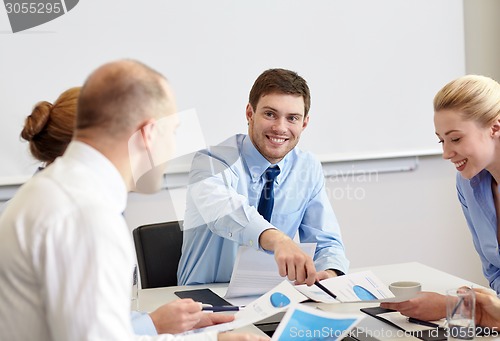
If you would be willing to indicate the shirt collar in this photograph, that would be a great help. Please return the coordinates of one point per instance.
(478, 178)
(256, 163)
(103, 168)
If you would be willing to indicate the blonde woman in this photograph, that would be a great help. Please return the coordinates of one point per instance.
(467, 123)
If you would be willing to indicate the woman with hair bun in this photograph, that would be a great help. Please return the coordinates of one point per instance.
(49, 128)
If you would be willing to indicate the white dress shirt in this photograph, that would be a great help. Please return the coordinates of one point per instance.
(66, 255)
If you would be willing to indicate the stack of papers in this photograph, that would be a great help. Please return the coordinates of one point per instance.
(256, 284)
(255, 273)
(357, 287)
(259, 309)
(300, 321)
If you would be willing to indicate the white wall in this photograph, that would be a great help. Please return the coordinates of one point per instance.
(212, 51)
(409, 216)
(482, 32)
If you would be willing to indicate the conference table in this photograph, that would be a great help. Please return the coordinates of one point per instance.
(430, 278)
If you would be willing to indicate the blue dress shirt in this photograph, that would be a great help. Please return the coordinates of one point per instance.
(142, 323)
(225, 184)
(478, 206)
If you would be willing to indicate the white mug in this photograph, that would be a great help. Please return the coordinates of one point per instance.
(405, 289)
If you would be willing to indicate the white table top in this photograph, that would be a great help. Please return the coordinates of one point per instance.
(430, 278)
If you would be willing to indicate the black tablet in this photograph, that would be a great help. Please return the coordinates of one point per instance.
(205, 296)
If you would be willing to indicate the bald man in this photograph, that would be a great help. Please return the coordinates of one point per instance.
(66, 254)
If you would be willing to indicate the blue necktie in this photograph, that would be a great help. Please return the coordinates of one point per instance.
(266, 202)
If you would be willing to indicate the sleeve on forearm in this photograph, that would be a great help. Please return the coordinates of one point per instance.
(320, 225)
(495, 285)
(142, 323)
(211, 336)
(213, 201)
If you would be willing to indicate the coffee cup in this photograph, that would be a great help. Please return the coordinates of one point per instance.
(404, 290)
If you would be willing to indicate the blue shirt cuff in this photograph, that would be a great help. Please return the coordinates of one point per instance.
(142, 323)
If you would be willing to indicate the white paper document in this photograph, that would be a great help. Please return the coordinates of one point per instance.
(256, 272)
(307, 323)
(276, 300)
(356, 287)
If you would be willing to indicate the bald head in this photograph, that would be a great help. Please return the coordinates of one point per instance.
(119, 95)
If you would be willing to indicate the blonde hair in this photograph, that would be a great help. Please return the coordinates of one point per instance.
(49, 129)
(476, 98)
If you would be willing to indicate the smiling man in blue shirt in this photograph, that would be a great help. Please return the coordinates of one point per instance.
(226, 190)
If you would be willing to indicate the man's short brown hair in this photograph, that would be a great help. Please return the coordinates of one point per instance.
(280, 81)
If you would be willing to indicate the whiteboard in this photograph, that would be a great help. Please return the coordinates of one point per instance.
(373, 67)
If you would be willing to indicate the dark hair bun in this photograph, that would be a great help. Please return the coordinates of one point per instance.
(36, 122)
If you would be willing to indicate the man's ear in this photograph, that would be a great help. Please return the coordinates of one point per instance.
(249, 112)
(147, 129)
(306, 122)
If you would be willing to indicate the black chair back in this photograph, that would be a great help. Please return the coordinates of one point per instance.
(158, 247)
